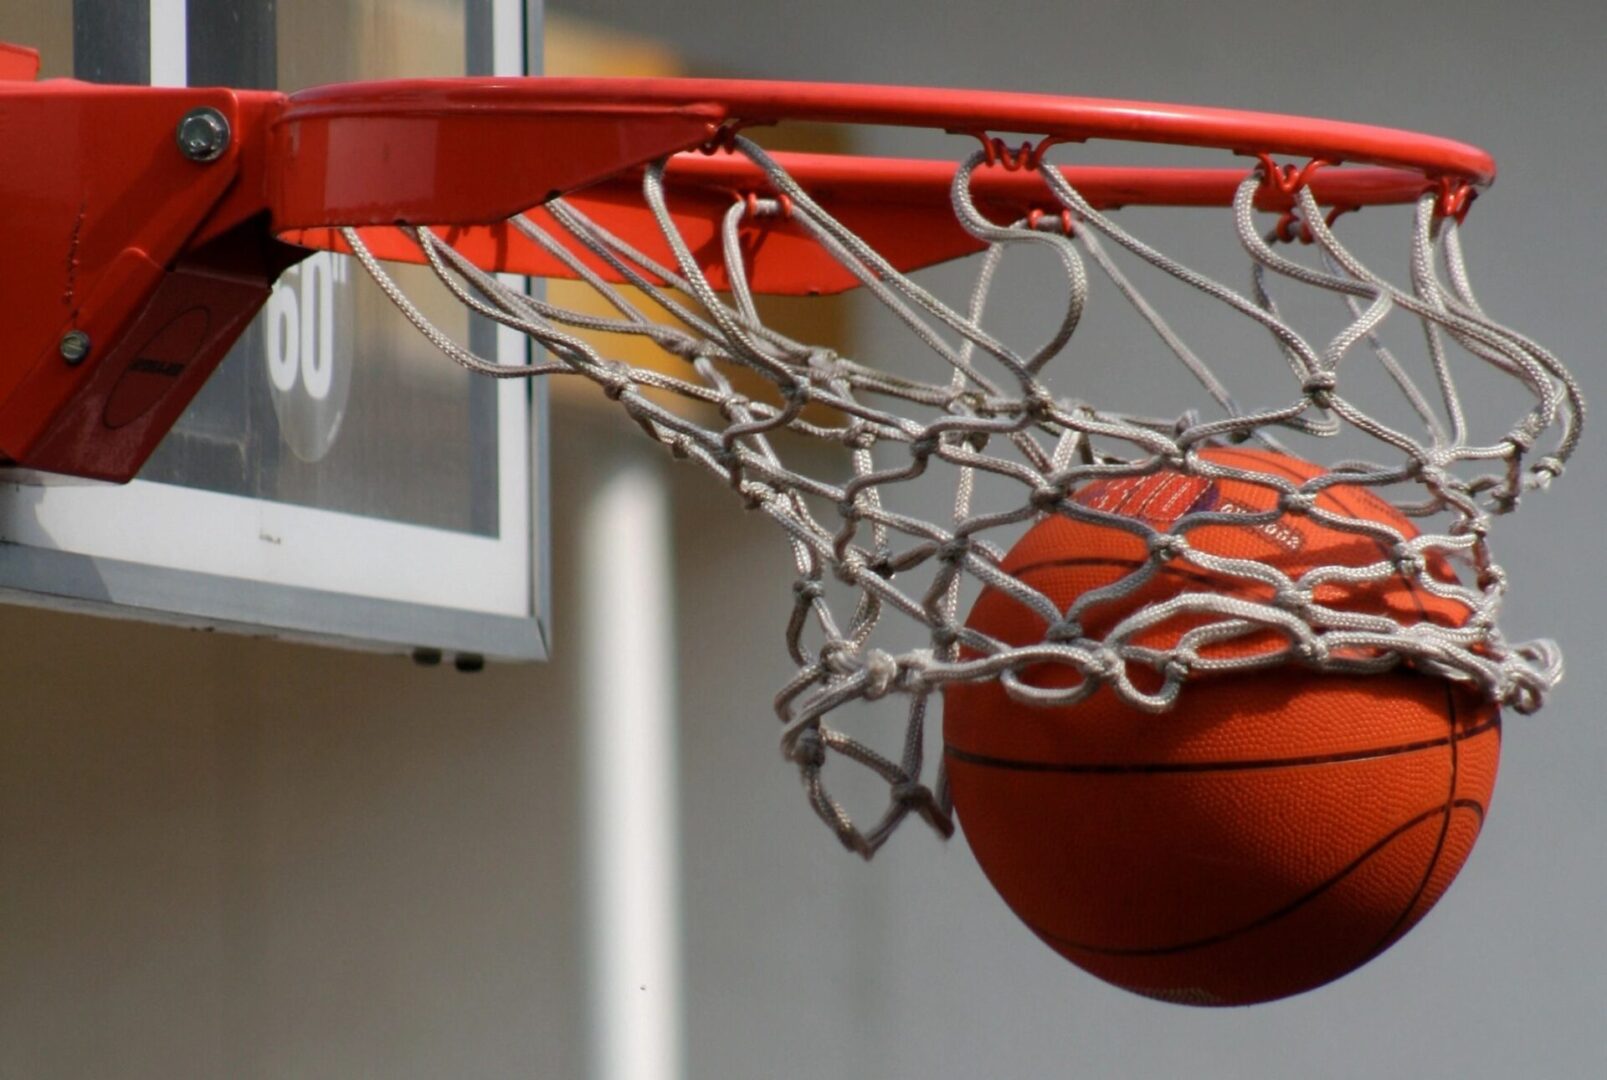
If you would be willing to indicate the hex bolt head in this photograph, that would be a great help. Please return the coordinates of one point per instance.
(203, 134)
(74, 346)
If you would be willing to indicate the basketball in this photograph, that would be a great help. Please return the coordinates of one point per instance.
(1273, 831)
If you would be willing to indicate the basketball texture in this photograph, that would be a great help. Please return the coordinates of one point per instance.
(1272, 832)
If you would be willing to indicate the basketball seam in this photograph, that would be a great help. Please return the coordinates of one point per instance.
(1260, 921)
(1404, 921)
(1019, 765)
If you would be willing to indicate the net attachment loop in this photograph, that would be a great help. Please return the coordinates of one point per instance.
(1455, 198)
(1291, 227)
(1067, 223)
(1027, 157)
(1287, 179)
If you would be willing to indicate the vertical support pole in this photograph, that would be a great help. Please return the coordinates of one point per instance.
(169, 43)
(629, 737)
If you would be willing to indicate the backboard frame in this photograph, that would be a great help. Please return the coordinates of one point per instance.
(187, 556)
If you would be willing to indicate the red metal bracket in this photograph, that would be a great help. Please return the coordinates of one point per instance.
(110, 322)
(144, 262)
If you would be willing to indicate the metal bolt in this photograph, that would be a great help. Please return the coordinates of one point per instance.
(203, 134)
(74, 346)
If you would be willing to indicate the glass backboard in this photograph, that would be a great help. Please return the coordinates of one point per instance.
(337, 480)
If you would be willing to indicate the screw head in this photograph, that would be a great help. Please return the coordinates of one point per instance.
(203, 134)
(74, 346)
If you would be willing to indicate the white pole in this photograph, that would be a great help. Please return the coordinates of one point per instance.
(629, 735)
(169, 43)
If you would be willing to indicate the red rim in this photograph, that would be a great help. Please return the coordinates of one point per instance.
(968, 111)
(468, 154)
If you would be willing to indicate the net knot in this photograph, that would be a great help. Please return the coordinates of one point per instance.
(1430, 475)
(858, 436)
(1516, 692)
(1177, 669)
(954, 550)
(1297, 502)
(807, 590)
(615, 378)
(923, 447)
(1311, 651)
(1292, 598)
(1319, 387)
(965, 403)
(1063, 631)
(837, 657)
(1038, 404)
(1492, 578)
(1164, 547)
(808, 749)
(881, 673)
(1519, 442)
(753, 493)
(1047, 497)
(1410, 563)
(1103, 665)
(911, 794)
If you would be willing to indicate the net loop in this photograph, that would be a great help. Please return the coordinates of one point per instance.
(1287, 179)
(898, 480)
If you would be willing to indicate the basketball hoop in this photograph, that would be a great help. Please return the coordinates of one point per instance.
(652, 193)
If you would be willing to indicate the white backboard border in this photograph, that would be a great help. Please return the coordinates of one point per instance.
(185, 556)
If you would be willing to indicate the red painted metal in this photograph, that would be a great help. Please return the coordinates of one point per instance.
(900, 207)
(107, 212)
(18, 63)
(979, 112)
(161, 260)
(338, 149)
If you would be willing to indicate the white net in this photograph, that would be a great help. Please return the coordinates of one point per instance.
(883, 583)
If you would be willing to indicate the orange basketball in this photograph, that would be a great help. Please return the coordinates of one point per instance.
(1273, 831)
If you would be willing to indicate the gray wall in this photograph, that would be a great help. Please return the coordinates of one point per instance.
(231, 858)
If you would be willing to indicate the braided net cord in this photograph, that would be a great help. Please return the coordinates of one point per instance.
(878, 611)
